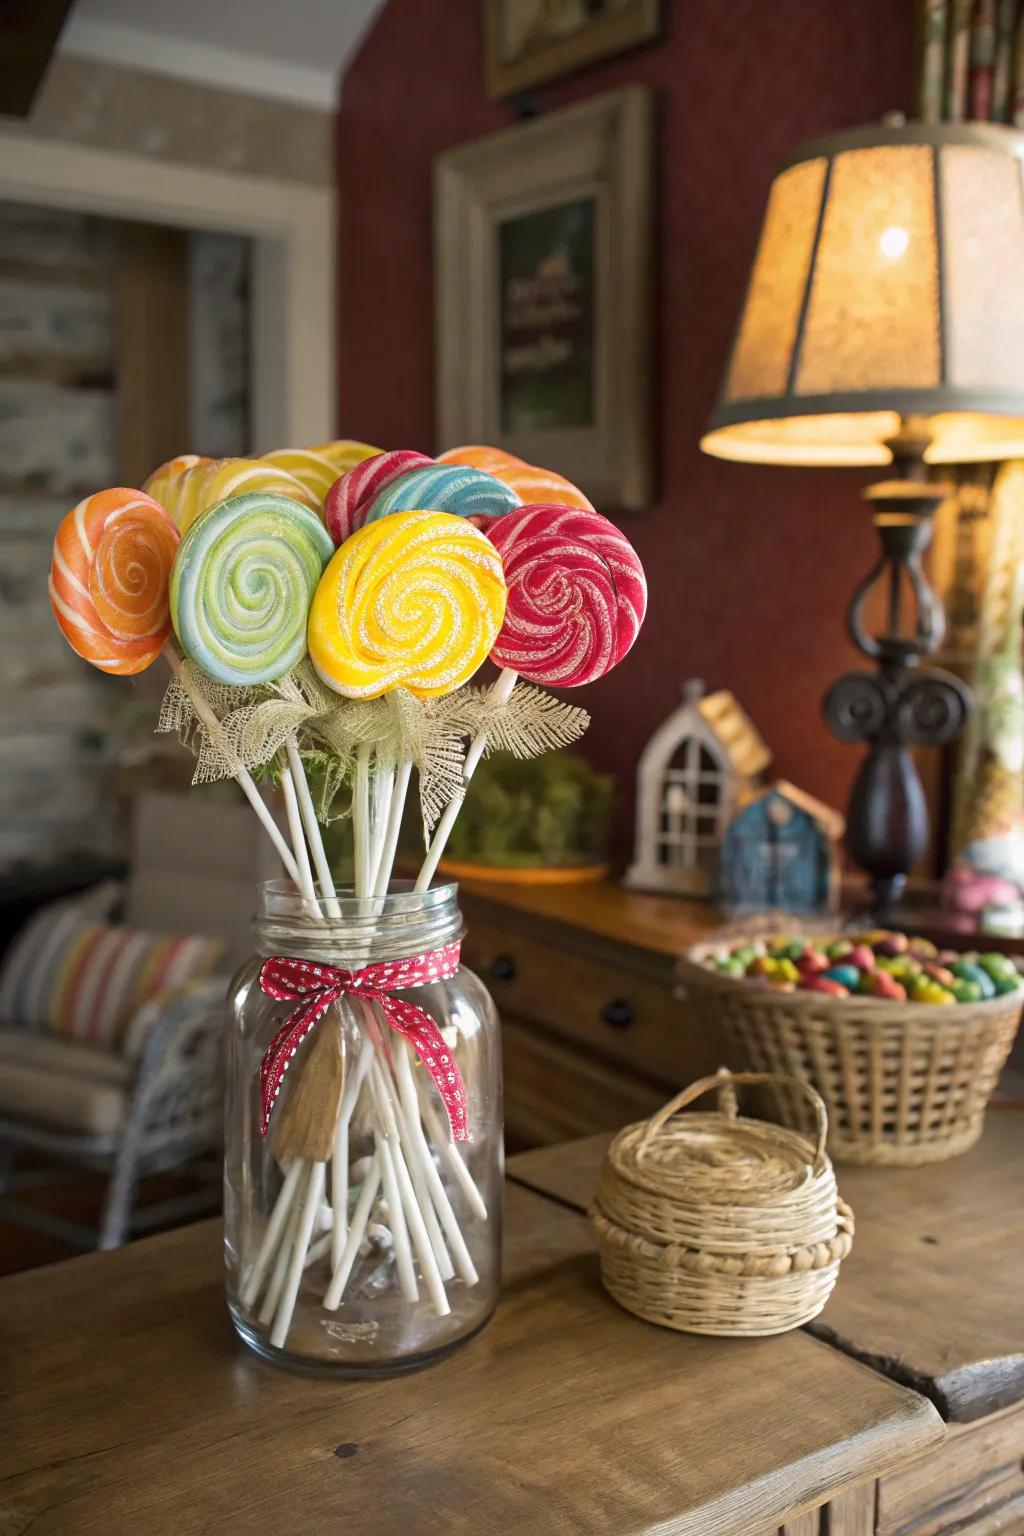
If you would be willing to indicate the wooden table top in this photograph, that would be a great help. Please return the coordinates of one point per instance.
(933, 1292)
(129, 1406)
(665, 925)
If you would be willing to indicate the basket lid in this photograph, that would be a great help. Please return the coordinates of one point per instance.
(721, 1158)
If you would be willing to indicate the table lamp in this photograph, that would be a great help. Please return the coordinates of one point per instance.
(884, 324)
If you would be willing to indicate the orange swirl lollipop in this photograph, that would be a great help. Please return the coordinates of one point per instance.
(480, 456)
(109, 579)
(531, 483)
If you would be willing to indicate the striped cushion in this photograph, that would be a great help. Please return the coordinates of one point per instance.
(69, 976)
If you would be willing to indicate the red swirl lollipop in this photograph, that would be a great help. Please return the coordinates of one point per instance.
(576, 594)
(352, 495)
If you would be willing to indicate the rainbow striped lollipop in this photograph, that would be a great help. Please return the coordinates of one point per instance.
(577, 594)
(414, 600)
(353, 493)
(242, 583)
(454, 488)
(112, 558)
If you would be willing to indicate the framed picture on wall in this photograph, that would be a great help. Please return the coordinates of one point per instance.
(542, 252)
(529, 41)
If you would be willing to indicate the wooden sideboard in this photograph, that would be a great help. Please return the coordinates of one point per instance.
(582, 976)
(932, 1297)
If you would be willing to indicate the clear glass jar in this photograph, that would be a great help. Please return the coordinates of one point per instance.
(360, 1237)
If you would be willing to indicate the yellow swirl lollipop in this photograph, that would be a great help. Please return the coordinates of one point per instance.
(414, 600)
(216, 480)
(311, 469)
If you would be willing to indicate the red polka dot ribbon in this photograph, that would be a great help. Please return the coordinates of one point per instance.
(315, 987)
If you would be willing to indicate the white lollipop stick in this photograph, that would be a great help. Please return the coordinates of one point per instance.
(360, 1217)
(314, 1192)
(417, 1156)
(394, 827)
(500, 693)
(403, 1253)
(275, 1226)
(281, 1263)
(312, 830)
(414, 1215)
(450, 1152)
(241, 774)
(439, 1195)
(339, 1162)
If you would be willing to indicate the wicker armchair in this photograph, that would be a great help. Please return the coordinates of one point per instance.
(165, 1113)
(155, 1105)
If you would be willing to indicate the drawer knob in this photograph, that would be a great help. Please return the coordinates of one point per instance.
(503, 968)
(618, 1012)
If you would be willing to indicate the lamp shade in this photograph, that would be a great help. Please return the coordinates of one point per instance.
(888, 287)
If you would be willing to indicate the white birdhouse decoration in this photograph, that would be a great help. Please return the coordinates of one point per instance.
(694, 772)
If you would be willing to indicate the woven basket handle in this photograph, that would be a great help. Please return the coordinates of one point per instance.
(725, 1081)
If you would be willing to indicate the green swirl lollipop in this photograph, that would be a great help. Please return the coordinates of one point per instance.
(242, 583)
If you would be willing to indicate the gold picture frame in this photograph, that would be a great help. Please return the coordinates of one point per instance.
(527, 42)
(542, 276)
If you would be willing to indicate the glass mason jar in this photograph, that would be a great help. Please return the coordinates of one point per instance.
(360, 1237)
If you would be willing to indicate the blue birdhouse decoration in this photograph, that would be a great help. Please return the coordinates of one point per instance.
(781, 852)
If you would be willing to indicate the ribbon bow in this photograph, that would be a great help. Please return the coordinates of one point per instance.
(316, 987)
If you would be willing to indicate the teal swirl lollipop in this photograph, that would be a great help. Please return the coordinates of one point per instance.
(243, 579)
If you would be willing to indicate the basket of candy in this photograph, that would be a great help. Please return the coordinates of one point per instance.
(903, 1042)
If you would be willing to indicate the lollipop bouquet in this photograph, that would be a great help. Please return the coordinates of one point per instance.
(322, 612)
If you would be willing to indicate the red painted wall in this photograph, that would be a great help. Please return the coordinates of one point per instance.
(750, 568)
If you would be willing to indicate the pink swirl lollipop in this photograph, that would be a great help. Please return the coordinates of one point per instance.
(352, 495)
(576, 594)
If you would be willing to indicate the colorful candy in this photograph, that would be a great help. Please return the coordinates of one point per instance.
(577, 594)
(315, 472)
(480, 456)
(879, 964)
(344, 453)
(453, 488)
(112, 558)
(205, 484)
(352, 494)
(413, 600)
(242, 584)
(158, 485)
(533, 486)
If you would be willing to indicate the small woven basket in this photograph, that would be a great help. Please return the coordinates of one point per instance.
(904, 1083)
(714, 1223)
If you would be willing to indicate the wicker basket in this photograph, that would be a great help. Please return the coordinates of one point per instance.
(904, 1083)
(713, 1223)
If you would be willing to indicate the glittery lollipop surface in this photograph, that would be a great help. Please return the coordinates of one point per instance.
(344, 452)
(353, 493)
(576, 594)
(454, 488)
(315, 472)
(415, 600)
(112, 558)
(242, 583)
(158, 484)
(479, 456)
(204, 485)
(535, 486)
